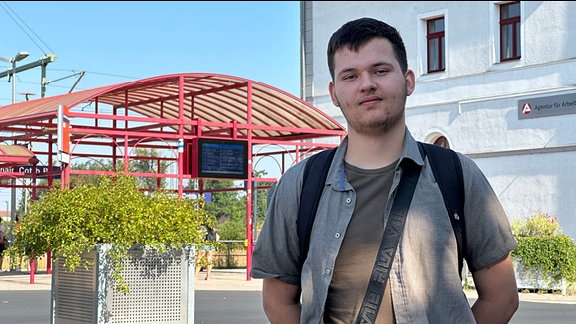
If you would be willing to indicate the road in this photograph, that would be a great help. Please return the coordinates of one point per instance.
(232, 307)
(229, 298)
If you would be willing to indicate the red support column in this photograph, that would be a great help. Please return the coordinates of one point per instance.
(32, 270)
(49, 262)
(249, 239)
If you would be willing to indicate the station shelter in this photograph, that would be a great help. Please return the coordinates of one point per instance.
(205, 126)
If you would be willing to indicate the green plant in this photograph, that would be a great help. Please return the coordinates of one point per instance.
(539, 224)
(542, 248)
(72, 221)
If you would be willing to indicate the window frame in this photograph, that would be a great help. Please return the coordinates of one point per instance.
(514, 25)
(440, 51)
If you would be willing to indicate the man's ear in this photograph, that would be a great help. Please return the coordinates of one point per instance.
(332, 94)
(410, 82)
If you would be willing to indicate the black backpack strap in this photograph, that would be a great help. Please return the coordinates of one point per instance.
(389, 243)
(447, 171)
(313, 179)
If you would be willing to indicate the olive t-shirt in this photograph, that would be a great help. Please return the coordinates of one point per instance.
(360, 247)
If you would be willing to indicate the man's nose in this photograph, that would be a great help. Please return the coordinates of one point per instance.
(367, 82)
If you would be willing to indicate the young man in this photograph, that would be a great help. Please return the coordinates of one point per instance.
(370, 83)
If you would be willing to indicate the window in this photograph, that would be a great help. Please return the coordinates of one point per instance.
(510, 31)
(442, 142)
(435, 38)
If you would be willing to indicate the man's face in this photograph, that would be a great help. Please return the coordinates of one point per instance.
(370, 88)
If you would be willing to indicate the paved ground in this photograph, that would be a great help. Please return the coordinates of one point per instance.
(221, 279)
(226, 279)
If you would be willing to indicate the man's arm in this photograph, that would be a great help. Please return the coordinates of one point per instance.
(497, 292)
(281, 301)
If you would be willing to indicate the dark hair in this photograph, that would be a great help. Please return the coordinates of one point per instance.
(356, 33)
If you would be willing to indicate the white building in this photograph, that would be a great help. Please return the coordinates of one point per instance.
(507, 99)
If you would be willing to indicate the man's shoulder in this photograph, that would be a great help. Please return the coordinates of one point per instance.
(465, 161)
(293, 175)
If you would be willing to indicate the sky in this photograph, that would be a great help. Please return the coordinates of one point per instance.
(119, 41)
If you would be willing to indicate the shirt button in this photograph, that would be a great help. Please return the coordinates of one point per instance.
(337, 235)
(328, 271)
(348, 200)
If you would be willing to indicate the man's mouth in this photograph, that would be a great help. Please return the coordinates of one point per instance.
(369, 100)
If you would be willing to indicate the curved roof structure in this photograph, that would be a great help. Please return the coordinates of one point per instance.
(169, 113)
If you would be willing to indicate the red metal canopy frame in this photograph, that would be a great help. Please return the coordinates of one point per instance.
(110, 122)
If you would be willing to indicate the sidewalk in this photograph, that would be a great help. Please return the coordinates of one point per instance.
(229, 279)
(20, 280)
(221, 279)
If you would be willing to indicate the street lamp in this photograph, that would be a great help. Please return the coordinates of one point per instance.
(19, 57)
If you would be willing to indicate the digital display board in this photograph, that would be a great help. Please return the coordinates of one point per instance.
(227, 159)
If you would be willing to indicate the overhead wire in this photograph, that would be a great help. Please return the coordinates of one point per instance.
(29, 32)
(21, 22)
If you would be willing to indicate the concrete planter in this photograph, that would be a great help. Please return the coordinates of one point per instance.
(536, 280)
(161, 289)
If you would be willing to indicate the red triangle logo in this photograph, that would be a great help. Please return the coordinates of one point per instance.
(526, 109)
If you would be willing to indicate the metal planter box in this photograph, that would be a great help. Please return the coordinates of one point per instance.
(535, 281)
(161, 289)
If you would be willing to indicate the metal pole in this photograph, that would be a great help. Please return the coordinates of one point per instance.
(19, 56)
(13, 80)
(13, 195)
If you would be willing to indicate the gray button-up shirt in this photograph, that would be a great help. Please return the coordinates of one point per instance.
(424, 279)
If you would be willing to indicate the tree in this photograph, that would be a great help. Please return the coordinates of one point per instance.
(91, 165)
(261, 198)
(228, 207)
(75, 180)
(149, 165)
(149, 161)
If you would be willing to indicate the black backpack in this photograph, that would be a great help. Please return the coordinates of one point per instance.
(447, 171)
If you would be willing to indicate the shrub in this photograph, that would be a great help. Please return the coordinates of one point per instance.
(539, 224)
(543, 248)
(73, 221)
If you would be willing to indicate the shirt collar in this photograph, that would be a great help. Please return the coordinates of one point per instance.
(336, 174)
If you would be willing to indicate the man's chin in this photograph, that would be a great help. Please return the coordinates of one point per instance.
(373, 128)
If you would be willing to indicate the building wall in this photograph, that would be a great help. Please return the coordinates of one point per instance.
(475, 103)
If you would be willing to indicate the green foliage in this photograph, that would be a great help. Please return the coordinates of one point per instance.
(261, 189)
(262, 206)
(149, 161)
(542, 248)
(539, 224)
(70, 222)
(144, 160)
(79, 179)
(234, 229)
(554, 256)
(228, 206)
(92, 165)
